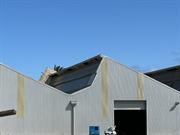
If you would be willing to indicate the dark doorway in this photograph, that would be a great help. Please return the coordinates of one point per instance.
(130, 122)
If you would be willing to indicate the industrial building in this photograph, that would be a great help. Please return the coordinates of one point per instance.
(85, 99)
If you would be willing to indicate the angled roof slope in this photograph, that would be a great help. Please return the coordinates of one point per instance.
(82, 74)
(29, 78)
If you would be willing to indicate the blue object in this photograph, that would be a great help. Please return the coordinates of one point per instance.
(94, 130)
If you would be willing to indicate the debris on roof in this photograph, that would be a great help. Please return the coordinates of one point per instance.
(45, 75)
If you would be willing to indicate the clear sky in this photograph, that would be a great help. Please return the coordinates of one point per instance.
(143, 34)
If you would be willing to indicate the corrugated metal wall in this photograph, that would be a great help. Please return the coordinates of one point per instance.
(43, 110)
(130, 85)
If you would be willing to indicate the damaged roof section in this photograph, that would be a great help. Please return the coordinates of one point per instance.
(75, 78)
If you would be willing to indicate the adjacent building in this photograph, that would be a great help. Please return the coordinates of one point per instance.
(169, 76)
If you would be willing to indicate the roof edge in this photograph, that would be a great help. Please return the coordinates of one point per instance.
(81, 64)
(150, 78)
(27, 77)
(176, 67)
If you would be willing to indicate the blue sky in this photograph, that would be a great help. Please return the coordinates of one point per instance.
(143, 34)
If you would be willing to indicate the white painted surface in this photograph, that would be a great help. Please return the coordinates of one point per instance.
(46, 109)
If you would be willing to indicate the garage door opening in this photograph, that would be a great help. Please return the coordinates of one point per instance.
(130, 118)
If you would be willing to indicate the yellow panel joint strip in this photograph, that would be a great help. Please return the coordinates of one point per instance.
(104, 84)
(20, 96)
(140, 86)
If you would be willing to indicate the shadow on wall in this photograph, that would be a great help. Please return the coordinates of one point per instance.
(70, 107)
